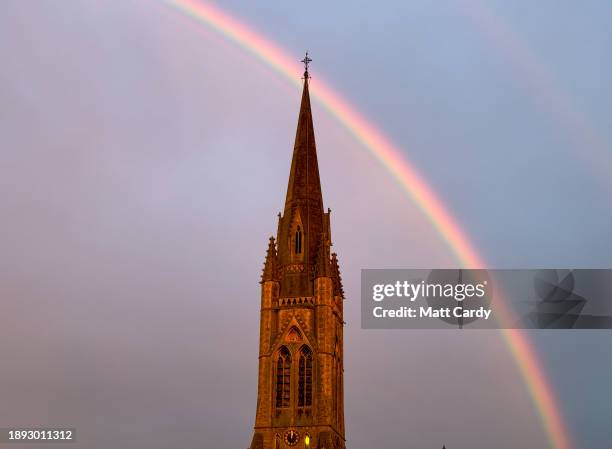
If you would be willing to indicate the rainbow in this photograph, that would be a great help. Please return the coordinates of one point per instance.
(408, 178)
(554, 100)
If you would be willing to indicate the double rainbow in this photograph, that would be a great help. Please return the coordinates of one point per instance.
(397, 164)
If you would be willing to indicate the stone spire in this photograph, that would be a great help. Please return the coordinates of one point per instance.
(335, 275)
(303, 221)
(270, 266)
(304, 183)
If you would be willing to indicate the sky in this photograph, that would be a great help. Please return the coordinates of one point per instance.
(143, 160)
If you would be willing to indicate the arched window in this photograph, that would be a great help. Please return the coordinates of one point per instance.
(305, 378)
(298, 240)
(283, 378)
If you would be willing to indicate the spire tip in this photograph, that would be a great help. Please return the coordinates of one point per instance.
(306, 61)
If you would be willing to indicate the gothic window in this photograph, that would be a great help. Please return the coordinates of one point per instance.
(305, 378)
(298, 240)
(283, 378)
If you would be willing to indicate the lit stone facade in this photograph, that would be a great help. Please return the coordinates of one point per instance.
(300, 400)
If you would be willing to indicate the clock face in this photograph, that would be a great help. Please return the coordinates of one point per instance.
(292, 437)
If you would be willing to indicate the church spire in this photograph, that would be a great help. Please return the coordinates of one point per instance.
(303, 224)
(270, 266)
(336, 277)
(304, 183)
(300, 394)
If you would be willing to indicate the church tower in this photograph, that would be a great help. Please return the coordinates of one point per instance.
(300, 397)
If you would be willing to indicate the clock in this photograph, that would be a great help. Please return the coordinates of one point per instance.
(292, 437)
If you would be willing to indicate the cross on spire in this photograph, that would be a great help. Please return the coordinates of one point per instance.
(306, 61)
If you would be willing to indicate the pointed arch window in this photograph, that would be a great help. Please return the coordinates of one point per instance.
(298, 240)
(305, 378)
(283, 378)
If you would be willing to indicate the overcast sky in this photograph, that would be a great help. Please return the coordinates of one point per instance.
(143, 160)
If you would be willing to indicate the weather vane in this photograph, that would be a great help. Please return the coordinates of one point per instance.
(306, 61)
